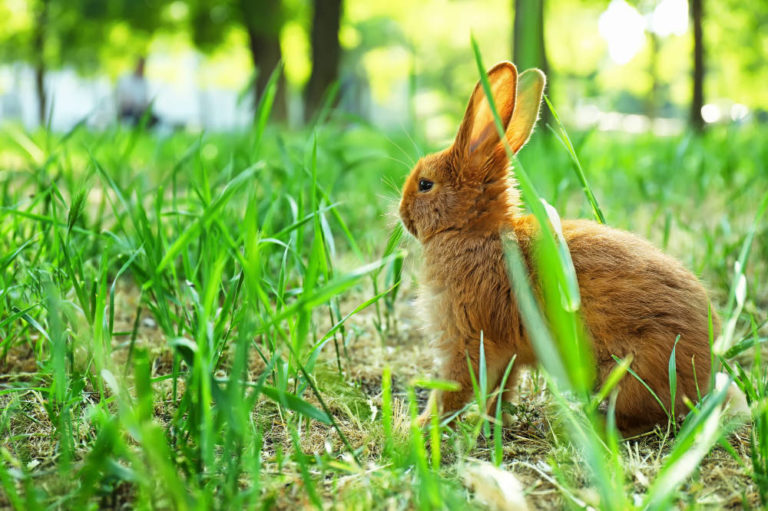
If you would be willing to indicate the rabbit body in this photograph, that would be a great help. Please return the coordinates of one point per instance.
(635, 300)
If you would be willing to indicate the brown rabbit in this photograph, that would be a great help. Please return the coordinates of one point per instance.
(635, 299)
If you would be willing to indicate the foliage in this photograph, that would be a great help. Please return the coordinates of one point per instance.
(69, 29)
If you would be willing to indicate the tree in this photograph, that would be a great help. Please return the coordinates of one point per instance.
(697, 100)
(262, 21)
(38, 49)
(528, 42)
(326, 52)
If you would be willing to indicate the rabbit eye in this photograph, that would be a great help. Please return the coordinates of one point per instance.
(425, 185)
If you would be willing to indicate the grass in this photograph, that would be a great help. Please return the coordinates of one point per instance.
(226, 321)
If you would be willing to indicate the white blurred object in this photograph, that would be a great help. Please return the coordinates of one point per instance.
(739, 112)
(132, 93)
(711, 113)
(736, 401)
(589, 116)
(623, 28)
(497, 488)
(178, 95)
(670, 17)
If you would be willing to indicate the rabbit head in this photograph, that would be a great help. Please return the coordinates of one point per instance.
(466, 186)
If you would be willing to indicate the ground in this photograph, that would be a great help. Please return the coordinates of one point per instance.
(530, 444)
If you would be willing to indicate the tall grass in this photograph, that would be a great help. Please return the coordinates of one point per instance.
(177, 316)
(230, 263)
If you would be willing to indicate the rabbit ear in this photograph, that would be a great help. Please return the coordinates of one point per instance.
(478, 136)
(530, 87)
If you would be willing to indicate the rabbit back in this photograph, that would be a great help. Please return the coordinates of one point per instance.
(637, 301)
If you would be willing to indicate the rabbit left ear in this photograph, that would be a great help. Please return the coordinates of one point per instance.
(478, 136)
(530, 88)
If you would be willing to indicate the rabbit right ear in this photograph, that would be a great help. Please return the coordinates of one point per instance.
(478, 136)
(530, 87)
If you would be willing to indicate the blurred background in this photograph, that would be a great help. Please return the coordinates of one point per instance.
(663, 66)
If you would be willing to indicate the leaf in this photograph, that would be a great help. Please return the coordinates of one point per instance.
(292, 402)
(76, 210)
(696, 438)
(446, 385)
(185, 348)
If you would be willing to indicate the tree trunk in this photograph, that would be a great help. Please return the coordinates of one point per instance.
(654, 101)
(528, 44)
(697, 101)
(263, 21)
(38, 43)
(326, 53)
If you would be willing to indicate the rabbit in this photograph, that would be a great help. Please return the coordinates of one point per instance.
(635, 300)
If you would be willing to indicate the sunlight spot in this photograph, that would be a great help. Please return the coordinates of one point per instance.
(350, 37)
(178, 11)
(623, 28)
(670, 17)
(296, 51)
(710, 113)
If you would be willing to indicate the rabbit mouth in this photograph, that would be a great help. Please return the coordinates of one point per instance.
(411, 228)
(408, 223)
